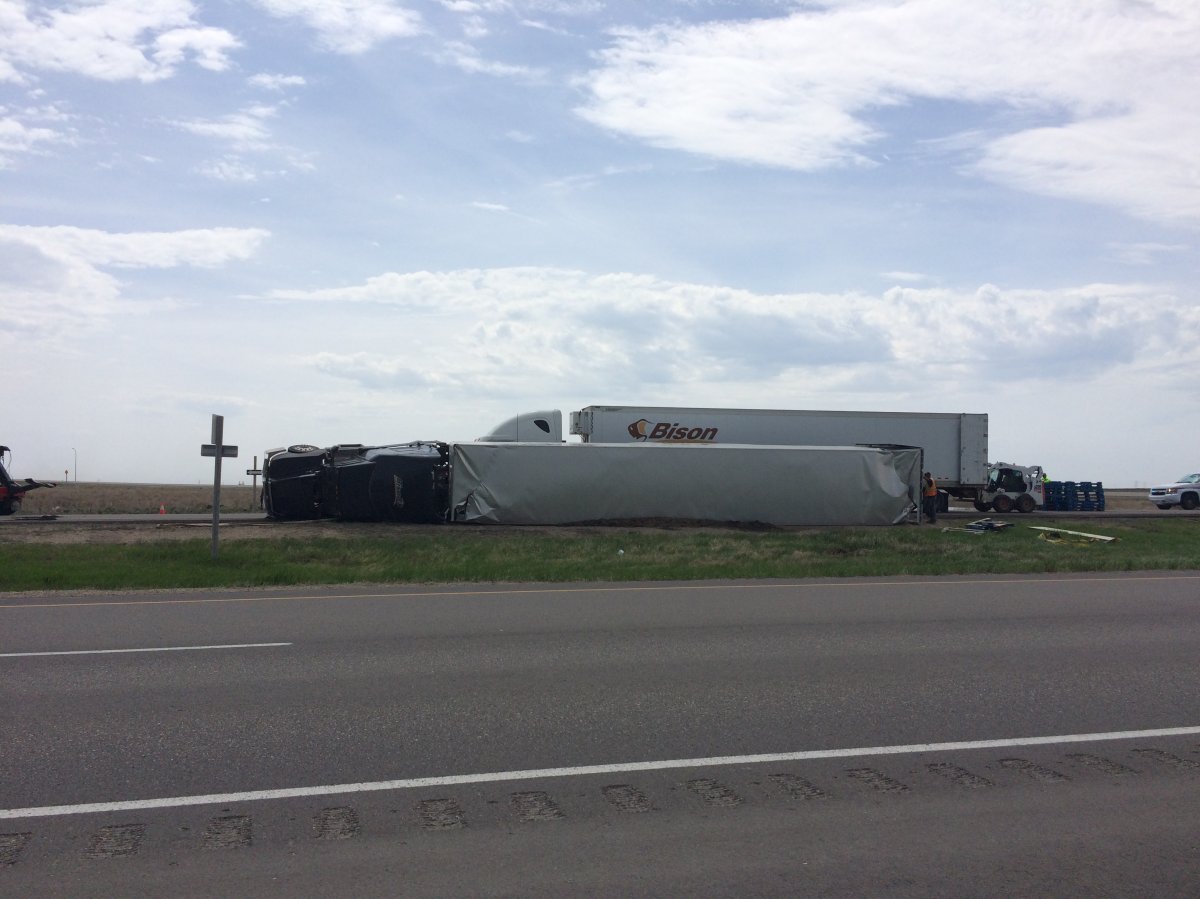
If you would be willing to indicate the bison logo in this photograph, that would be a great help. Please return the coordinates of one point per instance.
(637, 430)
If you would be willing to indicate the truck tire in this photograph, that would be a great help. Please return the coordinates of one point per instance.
(981, 506)
(1026, 503)
(1002, 503)
(10, 506)
(1165, 506)
(1189, 501)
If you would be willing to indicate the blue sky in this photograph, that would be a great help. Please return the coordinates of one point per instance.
(379, 221)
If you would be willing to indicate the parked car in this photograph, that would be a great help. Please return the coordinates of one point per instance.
(1184, 493)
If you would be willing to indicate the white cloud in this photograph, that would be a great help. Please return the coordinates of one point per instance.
(543, 26)
(204, 247)
(474, 27)
(246, 129)
(16, 137)
(53, 279)
(200, 404)
(208, 46)
(230, 169)
(246, 132)
(1143, 162)
(589, 179)
(577, 8)
(499, 208)
(269, 82)
(467, 58)
(1145, 253)
(349, 26)
(111, 40)
(512, 329)
(34, 130)
(1110, 87)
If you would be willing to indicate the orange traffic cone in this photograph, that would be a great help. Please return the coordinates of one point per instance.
(162, 509)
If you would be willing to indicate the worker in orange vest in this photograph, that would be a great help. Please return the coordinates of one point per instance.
(929, 498)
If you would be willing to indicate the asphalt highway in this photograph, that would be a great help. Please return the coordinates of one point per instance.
(947, 736)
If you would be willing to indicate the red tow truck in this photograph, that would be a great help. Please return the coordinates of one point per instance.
(12, 492)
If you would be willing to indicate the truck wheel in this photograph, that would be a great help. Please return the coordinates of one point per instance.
(981, 506)
(1165, 506)
(1189, 501)
(1026, 503)
(9, 506)
(1002, 504)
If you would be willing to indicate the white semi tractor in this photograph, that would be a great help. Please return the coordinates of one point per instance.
(955, 445)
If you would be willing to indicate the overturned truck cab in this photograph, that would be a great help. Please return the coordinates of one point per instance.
(408, 482)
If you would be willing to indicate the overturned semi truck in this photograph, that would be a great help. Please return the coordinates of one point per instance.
(551, 482)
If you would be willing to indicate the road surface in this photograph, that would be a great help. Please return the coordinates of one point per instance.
(947, 736)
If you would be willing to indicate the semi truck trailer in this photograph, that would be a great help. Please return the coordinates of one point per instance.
(565, 483)
(955, 445)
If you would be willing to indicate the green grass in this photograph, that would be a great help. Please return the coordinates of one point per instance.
(481, 554)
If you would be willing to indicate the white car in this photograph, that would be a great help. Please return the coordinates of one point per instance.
(1184, 493)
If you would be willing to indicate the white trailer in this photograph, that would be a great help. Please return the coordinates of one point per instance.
(955, 444)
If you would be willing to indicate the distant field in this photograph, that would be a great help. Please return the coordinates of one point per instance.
(96, 498)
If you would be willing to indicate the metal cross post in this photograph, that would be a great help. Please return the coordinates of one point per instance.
(254, 473)
(218, 450)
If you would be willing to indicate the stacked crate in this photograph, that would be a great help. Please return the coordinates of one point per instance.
(1074, 496)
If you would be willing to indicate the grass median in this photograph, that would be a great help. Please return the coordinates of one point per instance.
(470, 555)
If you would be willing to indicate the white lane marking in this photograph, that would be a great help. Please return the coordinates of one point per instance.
(581, 770)
(98, 652)
(947, 581)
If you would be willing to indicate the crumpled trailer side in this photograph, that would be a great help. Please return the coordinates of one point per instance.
(527, 483)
